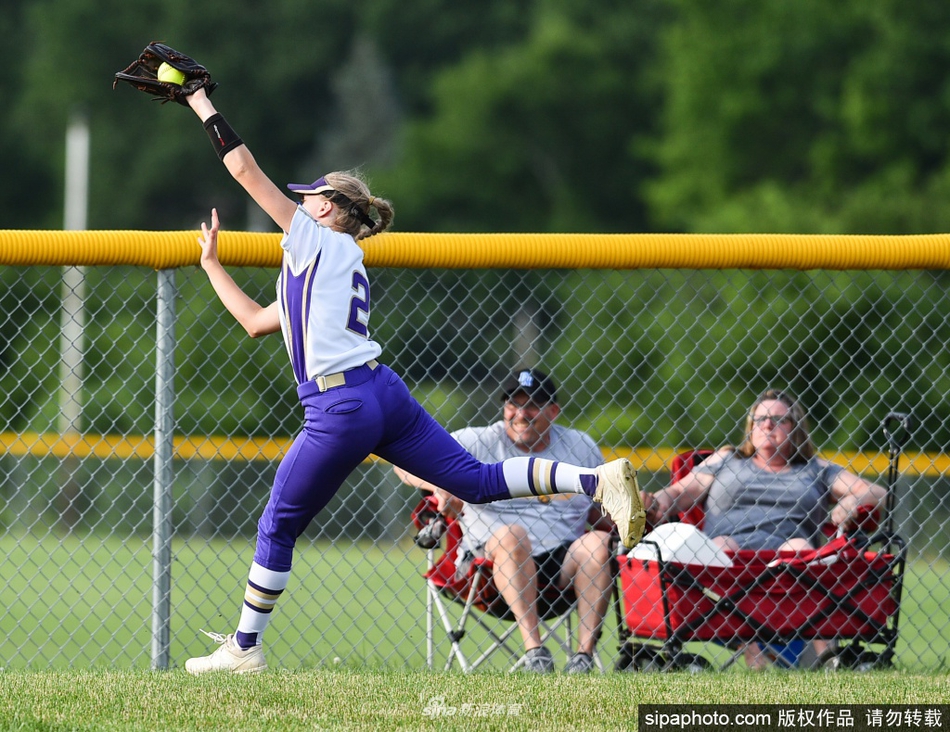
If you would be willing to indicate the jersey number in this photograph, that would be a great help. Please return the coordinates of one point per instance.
(359, 304)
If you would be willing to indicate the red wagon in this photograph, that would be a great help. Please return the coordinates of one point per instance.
(847, 592)
(843, 593)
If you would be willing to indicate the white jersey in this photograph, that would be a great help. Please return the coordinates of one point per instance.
(324, 302)
(551, 520)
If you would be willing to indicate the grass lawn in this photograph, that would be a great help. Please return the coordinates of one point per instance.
(85, 603)
(380, 700)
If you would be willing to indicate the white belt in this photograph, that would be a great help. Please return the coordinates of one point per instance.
(331, 381)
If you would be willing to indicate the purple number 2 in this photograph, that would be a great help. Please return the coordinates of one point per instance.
(359, 304)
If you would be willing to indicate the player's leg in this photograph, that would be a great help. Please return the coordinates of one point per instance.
(339, 430)
(306, 481)
(341, 426)
(413, 440)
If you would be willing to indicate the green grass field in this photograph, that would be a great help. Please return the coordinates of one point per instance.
(86, 603)
(380, 700)
(75, 650)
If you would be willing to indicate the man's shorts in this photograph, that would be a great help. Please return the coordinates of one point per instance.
(552, 600)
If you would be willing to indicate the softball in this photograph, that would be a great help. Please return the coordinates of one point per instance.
(170, 74)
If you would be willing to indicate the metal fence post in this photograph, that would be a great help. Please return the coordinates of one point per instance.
(164, 474)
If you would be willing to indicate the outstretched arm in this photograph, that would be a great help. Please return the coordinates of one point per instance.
(666, 504)
(257, 320)
(245, 170)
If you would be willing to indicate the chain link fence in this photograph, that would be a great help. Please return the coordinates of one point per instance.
(648, 362)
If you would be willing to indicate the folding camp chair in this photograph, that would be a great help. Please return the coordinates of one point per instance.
(481, 604)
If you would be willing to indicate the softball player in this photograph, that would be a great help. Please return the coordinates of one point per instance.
(353, 405)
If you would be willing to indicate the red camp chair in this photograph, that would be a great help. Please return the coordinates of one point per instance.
(480, 602)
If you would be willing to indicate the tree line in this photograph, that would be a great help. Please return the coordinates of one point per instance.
(500, 115)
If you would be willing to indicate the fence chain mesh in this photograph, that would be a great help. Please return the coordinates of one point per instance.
(648, 362)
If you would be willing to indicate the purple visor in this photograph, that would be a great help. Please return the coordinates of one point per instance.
(320, 185)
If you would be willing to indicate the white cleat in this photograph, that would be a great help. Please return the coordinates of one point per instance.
(229, 657)
(619, 495)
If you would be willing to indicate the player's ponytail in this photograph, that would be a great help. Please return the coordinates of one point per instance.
(356, 204)
(384, 216)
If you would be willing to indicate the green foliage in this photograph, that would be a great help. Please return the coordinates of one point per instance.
(424, 36)
(536, 136)
(533, 100)
(151, 167)
(679, 356)
(541, 115)
(804, 117)
(226, 382)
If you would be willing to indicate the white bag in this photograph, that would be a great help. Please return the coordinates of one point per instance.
(682, 544)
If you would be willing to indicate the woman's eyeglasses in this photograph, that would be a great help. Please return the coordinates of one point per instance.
(778, 419)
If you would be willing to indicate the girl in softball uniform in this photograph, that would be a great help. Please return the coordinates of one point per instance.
(353, 404)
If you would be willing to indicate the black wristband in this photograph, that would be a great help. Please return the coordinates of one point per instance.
(222, 137)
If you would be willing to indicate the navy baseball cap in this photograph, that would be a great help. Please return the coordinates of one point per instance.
(538, 386)
(320, 185)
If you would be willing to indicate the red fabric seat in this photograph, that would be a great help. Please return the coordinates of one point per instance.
(475, 590)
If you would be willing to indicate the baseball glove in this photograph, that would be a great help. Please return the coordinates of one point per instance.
(143, 74)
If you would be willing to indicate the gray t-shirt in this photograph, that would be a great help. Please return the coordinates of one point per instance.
(551, 520)
(761, 509)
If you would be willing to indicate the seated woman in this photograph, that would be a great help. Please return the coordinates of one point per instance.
(772, 492)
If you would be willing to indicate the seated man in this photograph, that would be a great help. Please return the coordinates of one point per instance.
(772, 492)
(534, 543)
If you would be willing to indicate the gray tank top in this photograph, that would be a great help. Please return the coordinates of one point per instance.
(760, 509)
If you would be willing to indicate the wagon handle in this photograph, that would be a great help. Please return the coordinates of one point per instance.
(897, 435)
(897, 426)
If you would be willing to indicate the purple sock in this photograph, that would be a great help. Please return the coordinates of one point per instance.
(246, 640)
(589, 484)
